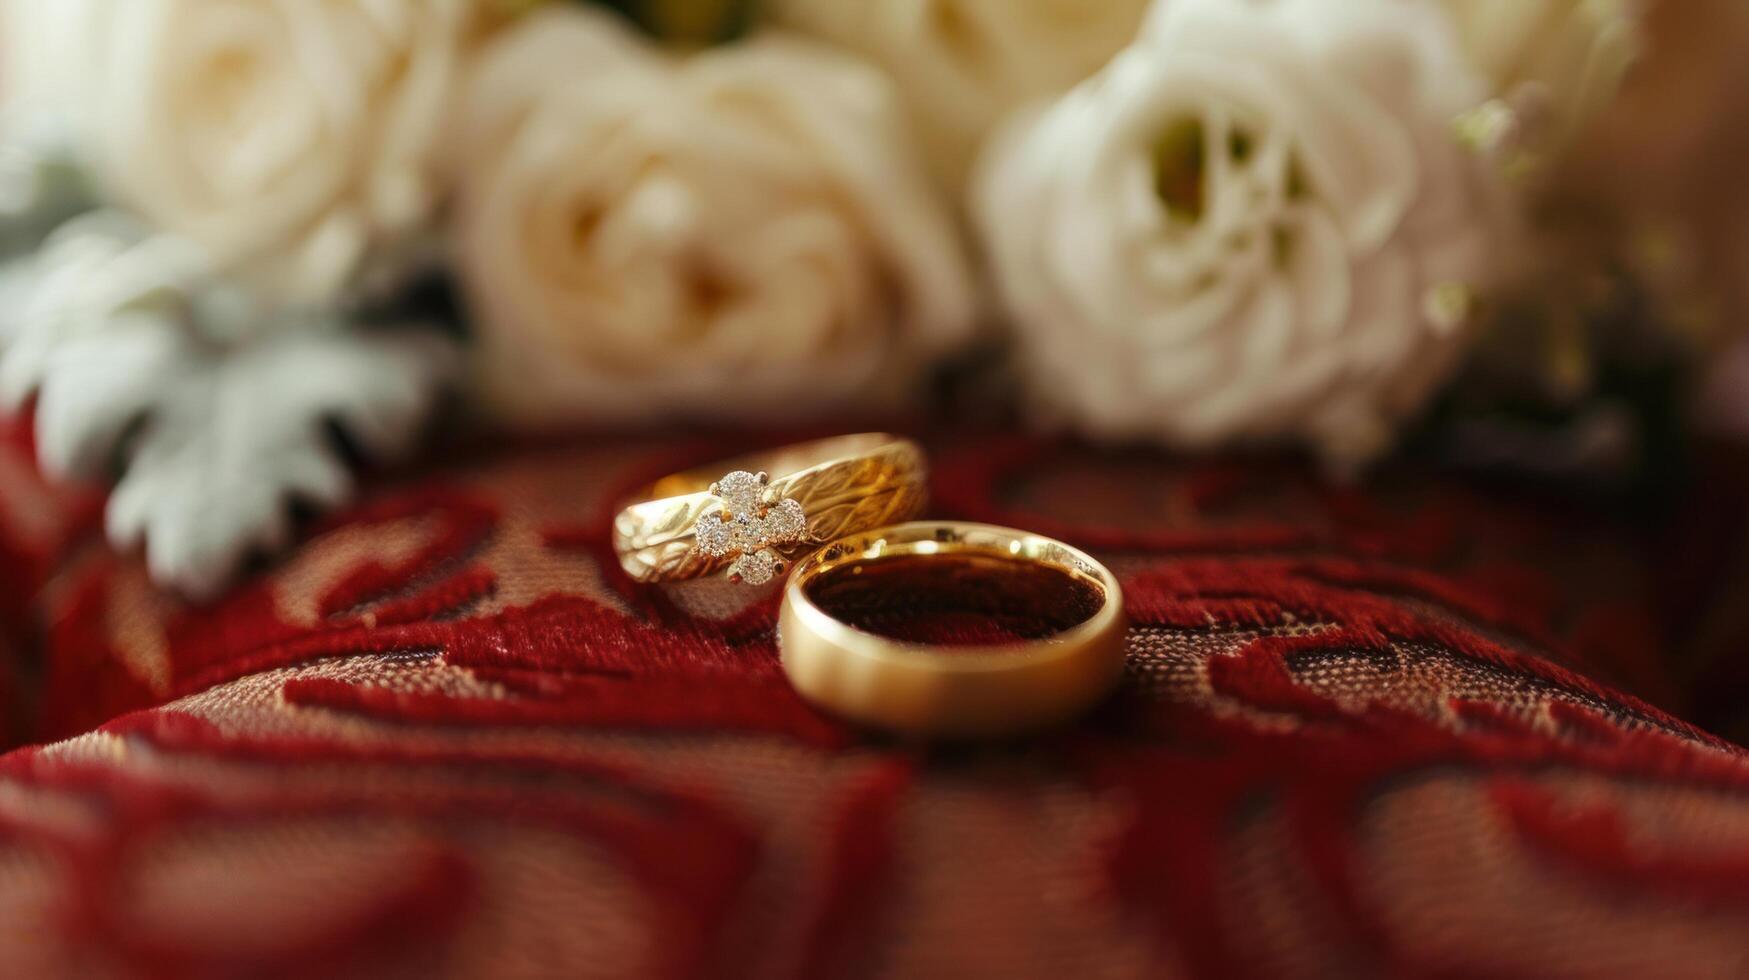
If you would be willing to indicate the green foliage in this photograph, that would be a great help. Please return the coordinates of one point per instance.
(688, 23)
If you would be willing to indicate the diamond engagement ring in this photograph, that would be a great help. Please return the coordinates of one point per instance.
(752, 517)
(753, 525)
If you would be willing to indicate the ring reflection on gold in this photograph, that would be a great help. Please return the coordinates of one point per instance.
(753, 515)
(1034, 630)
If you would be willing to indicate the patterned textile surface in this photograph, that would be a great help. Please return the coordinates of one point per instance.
(1381, 734)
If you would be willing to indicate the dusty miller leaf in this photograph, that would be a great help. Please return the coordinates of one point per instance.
(216, 439)
(231, 437)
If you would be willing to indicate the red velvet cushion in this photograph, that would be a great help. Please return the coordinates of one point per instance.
(1380, 733)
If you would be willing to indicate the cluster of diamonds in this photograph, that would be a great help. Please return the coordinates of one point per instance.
(754, 521)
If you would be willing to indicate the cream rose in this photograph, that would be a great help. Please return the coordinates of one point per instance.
(44, 65)
(290, 139)
(1255, 224)
(963, 64)
(737, 233)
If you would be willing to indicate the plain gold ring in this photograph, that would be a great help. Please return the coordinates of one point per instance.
(849, 609)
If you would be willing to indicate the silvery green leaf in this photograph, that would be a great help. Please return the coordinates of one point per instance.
(115, 331)
(232, 436)
(42, 181)
(87, 274)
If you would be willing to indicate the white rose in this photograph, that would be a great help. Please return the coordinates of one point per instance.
(1255, 224)
(734, 234)
(42, 80)
(289, 139)
(1565, 58)
(963, 64)
(43, 67)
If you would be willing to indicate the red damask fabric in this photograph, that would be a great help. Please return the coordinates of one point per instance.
(1421, 730)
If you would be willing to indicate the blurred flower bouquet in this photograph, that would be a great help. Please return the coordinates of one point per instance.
(1200, 223)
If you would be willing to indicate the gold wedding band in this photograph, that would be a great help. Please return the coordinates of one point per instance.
(753, 515)
(1041, 635)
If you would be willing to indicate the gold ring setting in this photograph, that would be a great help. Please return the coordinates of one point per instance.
(751, 517)
(1040, 641)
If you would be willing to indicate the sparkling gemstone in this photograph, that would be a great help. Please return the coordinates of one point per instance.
(749, 524)
(716, 537)
(785, 522)
(747, 533)
(756, 567)
(741, 491)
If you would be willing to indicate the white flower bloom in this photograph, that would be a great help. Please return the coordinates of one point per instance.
(45, 62)
(963, 64)
(289, 139)
(738, 233)
(1255, 224)
(1563, 57)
